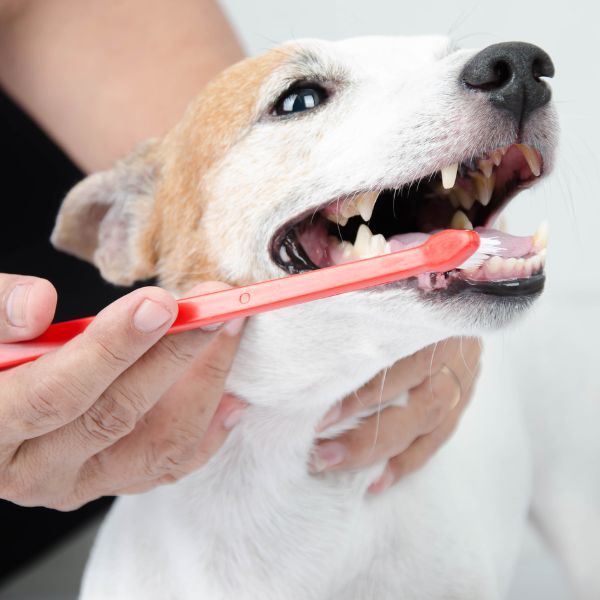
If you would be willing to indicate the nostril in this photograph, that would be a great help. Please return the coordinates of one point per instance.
(493, 76)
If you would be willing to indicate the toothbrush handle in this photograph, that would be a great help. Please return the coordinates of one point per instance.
(442, 252)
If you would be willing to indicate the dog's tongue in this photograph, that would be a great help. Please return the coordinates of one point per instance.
(512, 246)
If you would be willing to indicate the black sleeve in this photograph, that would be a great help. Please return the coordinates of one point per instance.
(35, 176)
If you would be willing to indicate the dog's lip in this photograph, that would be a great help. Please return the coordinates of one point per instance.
(511, 172)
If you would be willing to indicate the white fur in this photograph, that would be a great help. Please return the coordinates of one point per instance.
(253, 524)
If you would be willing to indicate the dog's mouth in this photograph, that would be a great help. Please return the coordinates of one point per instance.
(469, 195)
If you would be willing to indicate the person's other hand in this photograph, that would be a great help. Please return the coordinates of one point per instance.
(118, 409)
(439, 380)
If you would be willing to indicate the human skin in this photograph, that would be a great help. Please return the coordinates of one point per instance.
(100, 76)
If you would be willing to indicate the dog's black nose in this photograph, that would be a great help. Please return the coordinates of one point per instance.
(510, 74)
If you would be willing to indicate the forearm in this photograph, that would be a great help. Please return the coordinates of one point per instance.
(101, 75)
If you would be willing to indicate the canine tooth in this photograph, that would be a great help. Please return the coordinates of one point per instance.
(484, 187)
(494, 265)
(532, 158)
(337, 218)
(540, 238)
(496, 157)
(366, 204)
(536, 264)
(460, 221)
(486, 167)
(362, 243)
(449, 176)
(350, 208)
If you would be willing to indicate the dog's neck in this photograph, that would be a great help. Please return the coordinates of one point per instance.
(306, 358)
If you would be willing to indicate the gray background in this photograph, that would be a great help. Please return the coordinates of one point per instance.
(569, 32)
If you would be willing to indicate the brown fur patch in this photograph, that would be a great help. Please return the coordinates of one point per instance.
(213, 122)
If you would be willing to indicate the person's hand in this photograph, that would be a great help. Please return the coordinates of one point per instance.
(439, 380)
(118, 409)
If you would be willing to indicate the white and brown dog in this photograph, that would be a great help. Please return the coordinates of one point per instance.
(310, 155)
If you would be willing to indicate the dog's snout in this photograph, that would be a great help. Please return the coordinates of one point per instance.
(510, 73)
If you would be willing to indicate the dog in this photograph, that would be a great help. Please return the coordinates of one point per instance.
(310, 155)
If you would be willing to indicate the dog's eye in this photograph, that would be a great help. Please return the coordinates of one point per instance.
(300, 100)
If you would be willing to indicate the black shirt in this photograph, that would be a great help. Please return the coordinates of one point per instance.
(35, 176)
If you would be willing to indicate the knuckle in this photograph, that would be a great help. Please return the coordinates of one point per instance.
(169, 457)
(214, 372)
(108, 355)
(110, 418)
(171, 351)
(44, 400)
(433, 408)
(424, 361)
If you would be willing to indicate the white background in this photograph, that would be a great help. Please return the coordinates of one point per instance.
(568, 31)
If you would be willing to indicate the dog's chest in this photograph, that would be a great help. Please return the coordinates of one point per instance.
(255, 525)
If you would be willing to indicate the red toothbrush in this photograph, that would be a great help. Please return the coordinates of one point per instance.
(443, 251)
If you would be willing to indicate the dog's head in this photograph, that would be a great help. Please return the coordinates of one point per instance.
(321, 152)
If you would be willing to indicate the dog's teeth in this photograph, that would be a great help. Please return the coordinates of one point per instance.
(285, 257)
(532, 158)
(494, 265)
(449, 176)
(496, 157)
(366, 204)
(486, 167)
(379, 245)
(362, 243)
(508, 266)
(347, 249)
(337, 218)
(540, 238)
(462, 198)
(350, 208)
(484, 187)
(460, 221)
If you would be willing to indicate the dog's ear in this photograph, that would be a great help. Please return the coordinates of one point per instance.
(105, 218)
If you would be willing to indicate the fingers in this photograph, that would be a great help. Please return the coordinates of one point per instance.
(420, 451)
(429, 411)
(226, 417)
(27, 306)
(187, 426)
(394, 429)
(119, 408)
(398, 379)
(42, 396)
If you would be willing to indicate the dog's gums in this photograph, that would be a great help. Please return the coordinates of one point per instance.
(468, 195)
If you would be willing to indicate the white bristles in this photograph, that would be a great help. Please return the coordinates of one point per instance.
(487, 247)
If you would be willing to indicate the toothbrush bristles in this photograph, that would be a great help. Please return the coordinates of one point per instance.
(487, 247)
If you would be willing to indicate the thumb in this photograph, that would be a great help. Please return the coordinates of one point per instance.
(27, 306)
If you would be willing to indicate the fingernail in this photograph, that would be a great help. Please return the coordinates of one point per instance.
(327, 455)
(331, 416)
(383, 483)
(233, 418)
(16, 305)
(234, 326)
(444, 375)
(212, 327)
(150, 316)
